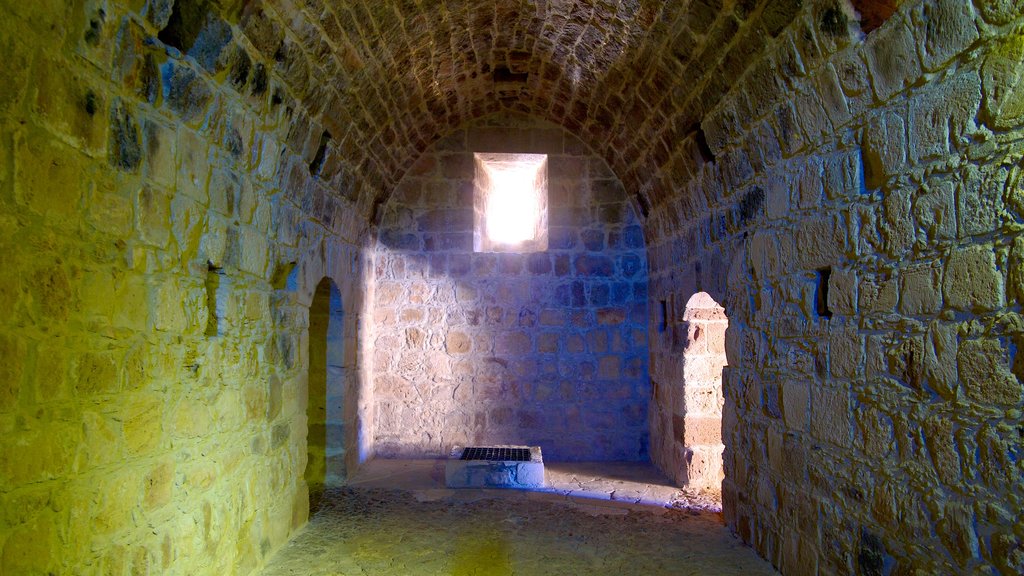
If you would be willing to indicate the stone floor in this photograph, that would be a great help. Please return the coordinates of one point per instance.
(395, 518)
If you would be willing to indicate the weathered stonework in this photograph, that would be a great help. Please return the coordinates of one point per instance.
(153, 401)
(174, 187)
(543, 348)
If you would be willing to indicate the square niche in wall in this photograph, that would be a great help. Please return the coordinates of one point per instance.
(510, 202)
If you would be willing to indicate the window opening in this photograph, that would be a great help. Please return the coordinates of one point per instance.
(510, 202)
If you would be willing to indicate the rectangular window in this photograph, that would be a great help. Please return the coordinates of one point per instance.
(510, 202)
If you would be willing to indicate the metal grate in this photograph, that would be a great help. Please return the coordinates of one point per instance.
(496, 454)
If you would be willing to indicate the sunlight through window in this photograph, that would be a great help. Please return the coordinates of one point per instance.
(510, 202)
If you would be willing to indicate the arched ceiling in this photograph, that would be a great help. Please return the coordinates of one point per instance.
(633, 78)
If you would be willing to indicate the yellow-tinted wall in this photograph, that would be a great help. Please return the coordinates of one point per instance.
(160, 241)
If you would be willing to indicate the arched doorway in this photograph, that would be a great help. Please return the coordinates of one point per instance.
(703, 360)
(325, 440)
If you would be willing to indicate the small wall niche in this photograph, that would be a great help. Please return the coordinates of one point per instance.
(214, 301)
(821, 293)
(317, 165)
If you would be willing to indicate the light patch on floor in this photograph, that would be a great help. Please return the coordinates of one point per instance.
(395, 517)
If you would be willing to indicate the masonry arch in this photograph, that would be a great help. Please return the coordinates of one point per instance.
(326, 407)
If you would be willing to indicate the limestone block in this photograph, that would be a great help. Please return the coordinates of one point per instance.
(842, 292)
(796, 404)
(956, 527)
(979, 201)
(892, 59)
(897, 229)
(110, 212)
(820, 242)
(153, 217)
(972, 281)
(811, 187)
(166, 312)
(814, 120)
(186, 93)
(32, 548)
(1001, 76)
(248, 250)
(1015, 274)
(846, 351)
(999, 11)
(193, 165)
(36, 455)
(832, 416)
(940, 359)
(945, 29)
(884, 148)
(832, 96)
(158, 484)
(935, 212)
(69, 104)
(920, 292)
(96, 373)
(15, 73)
(942, 447)
(985, 375)
(142, 424)
(14, 351)
(875, 432)
(48, 177)
(941, 119)
(843, 176)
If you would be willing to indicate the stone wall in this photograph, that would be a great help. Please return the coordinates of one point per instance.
(687, 390)
(545, 348)
(161, 235)
(859, 217)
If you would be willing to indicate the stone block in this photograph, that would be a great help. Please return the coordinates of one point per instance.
(842, 292)
(32, 548)
(941, 119)
(878, 293)
(984, 373)
(920, 290)
(884, 149)
(897, 228)
(1002, 77)
(702, 431)
(48, 177)
(892, 59)
(12, 369)
(935, 212)
(832, 416)
(972, 281)
(821, 243)
(945, 29)
(846, 351)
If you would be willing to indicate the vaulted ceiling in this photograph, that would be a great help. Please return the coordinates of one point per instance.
(634, 78)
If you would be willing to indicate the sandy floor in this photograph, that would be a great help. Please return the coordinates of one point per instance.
(396, 518)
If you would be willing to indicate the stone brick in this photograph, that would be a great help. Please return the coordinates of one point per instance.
(935, 212)
(831, 416)
(892, 59)
(884, 152)
(1002, 80)
(12, 370)
(842, 292)
(920, 291)
(941, 119)
(702, 431)
(945, 29)
(972, 282)
(984, 373)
